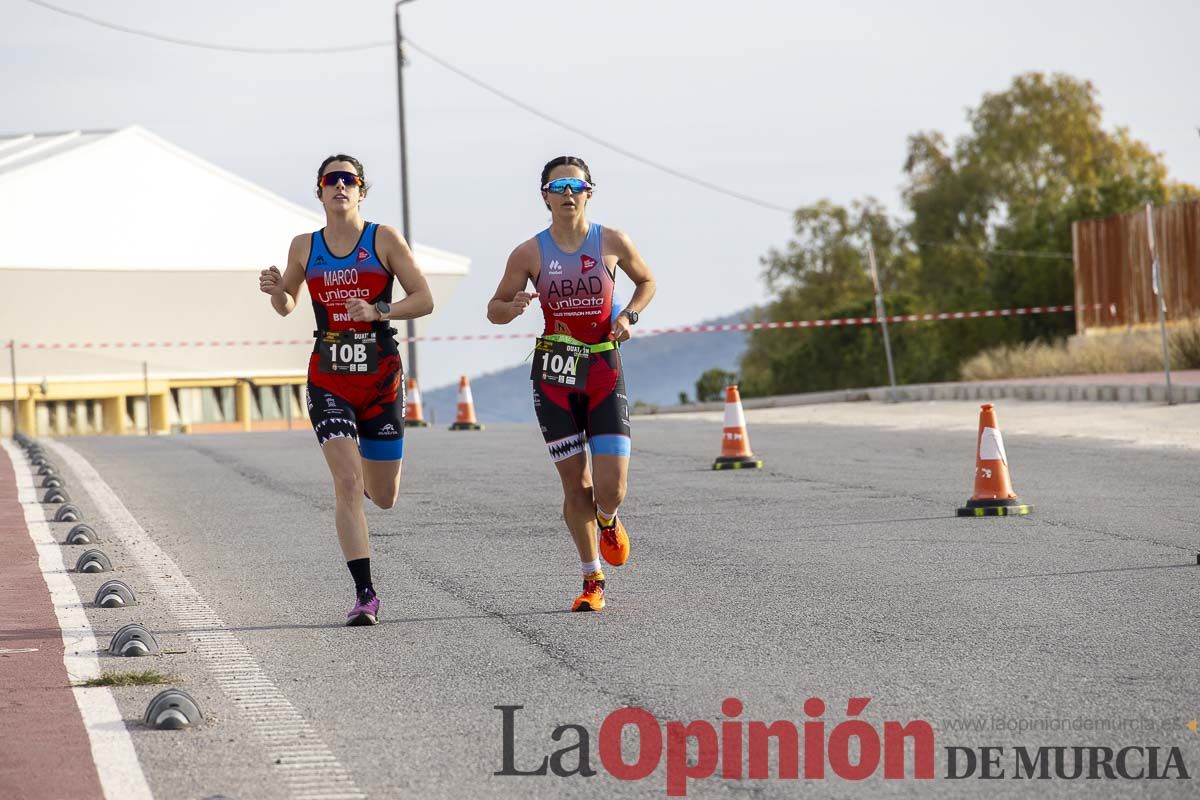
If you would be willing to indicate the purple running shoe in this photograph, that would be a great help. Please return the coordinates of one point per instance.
(366, 610)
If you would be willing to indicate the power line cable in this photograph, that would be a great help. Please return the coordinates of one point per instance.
(1050, 254)
(663, 168)
(591, 138)
(503, 96)
(440, 62)
(229, 48)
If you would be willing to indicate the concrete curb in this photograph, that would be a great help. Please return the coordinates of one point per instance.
(922, 392)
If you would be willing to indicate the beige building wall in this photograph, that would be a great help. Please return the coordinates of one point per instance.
(129, 270)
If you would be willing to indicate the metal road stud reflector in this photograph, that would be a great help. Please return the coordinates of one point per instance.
(133, 640)
(47, 469)
(81, 534)
(52, 481)
(93, 561)
(56, 495)
(115, 594)
(68, 513)
(172, 709)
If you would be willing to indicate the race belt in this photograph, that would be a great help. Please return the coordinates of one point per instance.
(347, 352)
(563, 361)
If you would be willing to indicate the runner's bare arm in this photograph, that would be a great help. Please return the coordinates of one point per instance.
(511, 299)
(285, 289)
(398, 257)
(630, 261)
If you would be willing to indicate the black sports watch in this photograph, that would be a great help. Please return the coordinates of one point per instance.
(384, 308)
(633, 316)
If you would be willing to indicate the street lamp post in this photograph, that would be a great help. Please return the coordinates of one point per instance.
(410, 325)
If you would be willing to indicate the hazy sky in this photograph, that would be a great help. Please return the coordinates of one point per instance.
(786, 101)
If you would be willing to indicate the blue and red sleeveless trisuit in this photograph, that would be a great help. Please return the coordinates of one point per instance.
(369, 407)
(576, 292)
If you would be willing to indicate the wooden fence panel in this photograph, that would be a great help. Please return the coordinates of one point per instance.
(1113, 266)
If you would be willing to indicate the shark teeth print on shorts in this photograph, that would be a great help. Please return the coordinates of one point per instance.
(334, 428)
(566, 447)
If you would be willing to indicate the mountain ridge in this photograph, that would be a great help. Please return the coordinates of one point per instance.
(657, 369)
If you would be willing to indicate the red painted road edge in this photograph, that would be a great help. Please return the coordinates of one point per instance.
(44, 748)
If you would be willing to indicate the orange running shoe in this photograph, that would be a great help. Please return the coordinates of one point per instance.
(614, 543)
(592, 598)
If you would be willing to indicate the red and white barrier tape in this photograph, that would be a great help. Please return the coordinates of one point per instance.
(741, 326)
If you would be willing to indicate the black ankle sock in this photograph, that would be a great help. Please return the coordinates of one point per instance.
(360, 570)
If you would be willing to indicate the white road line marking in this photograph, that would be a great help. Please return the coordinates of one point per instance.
(116, 760)
(267, 710)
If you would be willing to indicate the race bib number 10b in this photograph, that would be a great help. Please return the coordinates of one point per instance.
(347, 353)
(561, 363)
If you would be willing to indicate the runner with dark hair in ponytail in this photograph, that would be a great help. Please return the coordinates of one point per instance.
(578, 384)
(355, 378)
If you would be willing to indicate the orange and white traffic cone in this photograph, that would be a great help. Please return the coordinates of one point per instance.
(412, 407)
(465, 420)
(994, 495)
(735, 442)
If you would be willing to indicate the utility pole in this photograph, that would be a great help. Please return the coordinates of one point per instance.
(1160, 300)
(410, 325)
(881, 312)
(146, 394)
(12, 360)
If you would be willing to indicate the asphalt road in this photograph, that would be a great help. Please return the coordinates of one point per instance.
(838, 571)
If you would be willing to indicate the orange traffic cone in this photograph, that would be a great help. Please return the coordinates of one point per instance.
(412, 408)
(994, 495)
(735, 442)
(465, 419)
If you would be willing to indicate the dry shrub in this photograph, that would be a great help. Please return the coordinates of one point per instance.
(1185, 344)
(1137, 350)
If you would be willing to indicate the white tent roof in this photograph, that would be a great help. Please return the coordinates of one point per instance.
(60, 208)
(180, 263)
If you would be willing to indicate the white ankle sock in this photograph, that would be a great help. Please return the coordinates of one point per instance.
(590, 567)
(602, 515)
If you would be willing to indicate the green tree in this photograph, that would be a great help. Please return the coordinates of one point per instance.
(711, 385)
(823, 273)
(989, 227)
(843, 357)
(1035, 159)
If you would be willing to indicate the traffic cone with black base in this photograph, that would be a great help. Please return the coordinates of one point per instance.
(735, 441)
(412, 407)
(994, 495)
(465, 418)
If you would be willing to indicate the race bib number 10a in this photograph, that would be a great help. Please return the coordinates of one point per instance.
(347, 353)
(561, 363)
